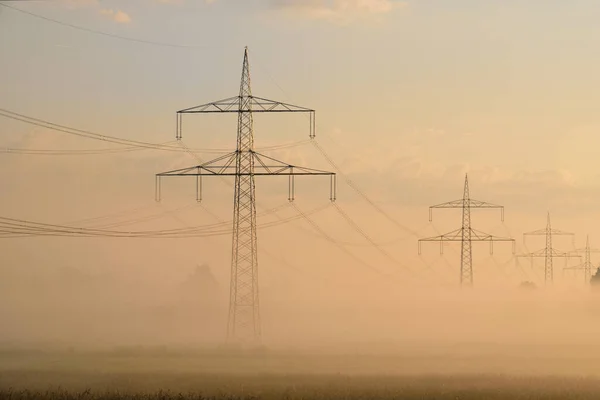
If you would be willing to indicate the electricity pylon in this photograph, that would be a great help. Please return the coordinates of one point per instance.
(548, 252)
(586, 266)
(243, 326)
(466, 235)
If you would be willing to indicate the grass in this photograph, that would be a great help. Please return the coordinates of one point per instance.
(318, 387)
(57, 376)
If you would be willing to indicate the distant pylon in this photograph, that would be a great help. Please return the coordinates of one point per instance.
(466, 235)
(245, 164)
(548, 252)
(587, 263)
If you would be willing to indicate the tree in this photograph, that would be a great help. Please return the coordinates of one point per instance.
(595, 279)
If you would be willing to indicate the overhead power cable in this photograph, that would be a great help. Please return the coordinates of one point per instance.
(117, 214)
(84, 133)
(368, 238)
(129, 145)
(317, 228)
(362, 194)
(12, 227)
(146, 218)
(96, 32)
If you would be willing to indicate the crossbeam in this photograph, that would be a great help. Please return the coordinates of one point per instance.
(251, 104)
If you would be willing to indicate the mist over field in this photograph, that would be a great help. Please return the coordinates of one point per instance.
(515, 329)
(103, 336)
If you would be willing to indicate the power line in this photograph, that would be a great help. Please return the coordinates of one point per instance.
(360, 192)
(365, 235)
(13, 227)
(82, 133)
(324, 234)
(111, 35)
(130, 145)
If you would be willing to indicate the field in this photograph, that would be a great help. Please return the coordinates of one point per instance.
(323, 387)
(198, 386)
(164, 375)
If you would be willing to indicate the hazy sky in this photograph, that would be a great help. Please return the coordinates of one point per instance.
(409, 95)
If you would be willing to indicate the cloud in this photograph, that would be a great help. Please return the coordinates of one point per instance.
(118, 16)
(342, 11)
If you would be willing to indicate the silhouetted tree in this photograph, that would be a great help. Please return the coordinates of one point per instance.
(595, 279)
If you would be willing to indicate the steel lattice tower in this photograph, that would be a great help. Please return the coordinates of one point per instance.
(466, 258)
(244, 311)
(245, 164)
(587, 263)
(466, 235)
(549, 253)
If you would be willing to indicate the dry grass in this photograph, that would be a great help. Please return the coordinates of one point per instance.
(318, 387)
(276, 377)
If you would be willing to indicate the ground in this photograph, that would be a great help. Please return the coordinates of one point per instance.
(161, 374)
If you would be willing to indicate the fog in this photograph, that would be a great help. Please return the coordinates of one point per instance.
(69, 309)
(316, 300)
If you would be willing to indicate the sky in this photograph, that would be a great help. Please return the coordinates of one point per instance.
(410, 95)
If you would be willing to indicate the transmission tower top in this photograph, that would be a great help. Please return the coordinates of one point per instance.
(245, 102)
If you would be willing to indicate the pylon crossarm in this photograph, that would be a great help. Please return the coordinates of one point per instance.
(200, 171)
(556, 253)
(457, 236)
(255, 104)
(470, 203)
(260, 104)
(454, 236)
(543, 232)
(270, 166)
(537, 253)
(584, 250)
(263, 166)
(251, 104)
(478, 236)
(230, 104)
(212, 167)
(542, 253)
(483, 204)
(450, 204)
(274, 164)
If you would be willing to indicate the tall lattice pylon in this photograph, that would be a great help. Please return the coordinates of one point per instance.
(587, 265)
(245, 164)
(466, 234)
(549, 253)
